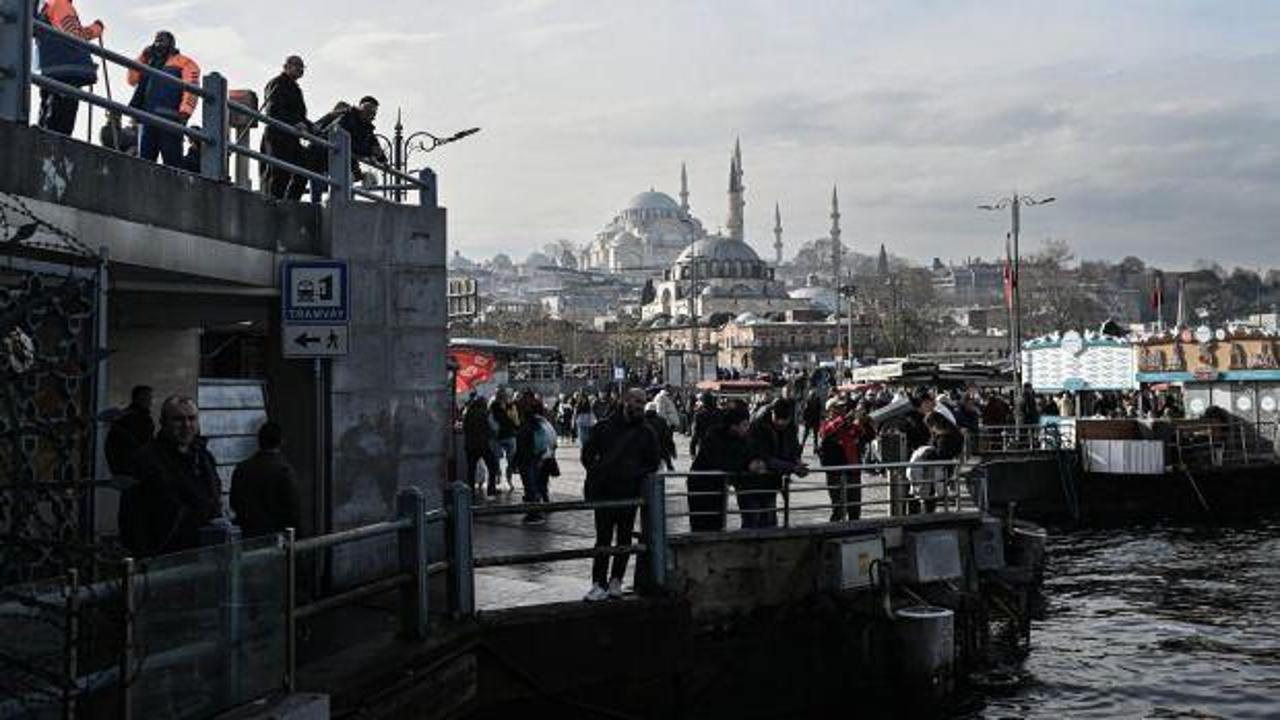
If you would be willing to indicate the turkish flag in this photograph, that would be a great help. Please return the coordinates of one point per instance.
(474, 368)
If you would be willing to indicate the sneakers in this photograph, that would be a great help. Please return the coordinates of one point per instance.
(615, 588)
(596, 594)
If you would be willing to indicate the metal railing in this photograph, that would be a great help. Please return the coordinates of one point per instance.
(1209, 444)
(907, 488)
(1019, 439)
(18, 29)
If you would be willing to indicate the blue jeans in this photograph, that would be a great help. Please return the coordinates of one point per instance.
(534, 481)
(156, 141)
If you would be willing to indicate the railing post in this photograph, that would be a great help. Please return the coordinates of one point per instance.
(428, 194)
(71, 662)
(126, 639)
(15, 60)
(654, 515)
(339, 164)
(290, 610)
(462, 595)
(412, 506)
(213, 153)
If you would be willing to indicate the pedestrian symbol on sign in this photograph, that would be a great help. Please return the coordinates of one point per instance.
(333, 340)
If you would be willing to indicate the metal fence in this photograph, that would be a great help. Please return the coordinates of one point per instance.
(18, 29)
(1204, 444)
(1018, 439)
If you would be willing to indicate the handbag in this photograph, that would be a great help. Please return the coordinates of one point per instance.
(550, 468)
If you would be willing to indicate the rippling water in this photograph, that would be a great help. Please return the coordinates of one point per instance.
(1164, 622)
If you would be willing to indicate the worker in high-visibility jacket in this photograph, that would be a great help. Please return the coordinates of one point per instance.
(58, 59)
(164, 98)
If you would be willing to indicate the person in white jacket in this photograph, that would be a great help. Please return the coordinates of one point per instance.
(667, 409)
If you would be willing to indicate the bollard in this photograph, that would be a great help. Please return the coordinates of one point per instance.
(412, 506)
(125, 698)
(15, 61)
(462, 595)
(213, 153)
(654, 514)
(290, 610)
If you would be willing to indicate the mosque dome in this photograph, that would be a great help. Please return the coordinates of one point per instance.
(653, 200)
(718, 248)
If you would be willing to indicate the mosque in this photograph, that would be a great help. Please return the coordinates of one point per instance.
(702, 274)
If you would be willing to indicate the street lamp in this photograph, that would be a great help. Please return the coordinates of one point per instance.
(1015, 203)
(400, 148)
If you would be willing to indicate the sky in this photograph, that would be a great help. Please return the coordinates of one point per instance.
(1154, 123)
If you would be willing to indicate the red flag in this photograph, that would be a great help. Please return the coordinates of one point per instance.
(1009, 280)
(1157, 291)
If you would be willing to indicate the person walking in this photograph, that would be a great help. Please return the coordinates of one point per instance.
(264, 488)
(665, 433)
(178, 484)
(283, 101)
(165, 98)
(584, 418)
(666, 408)
(705, 417)
(774, 439)
(478, 440)
(506, 420)
(812, 417)
(535, 446)
(622, 450)
(58, 59)
(725, 448)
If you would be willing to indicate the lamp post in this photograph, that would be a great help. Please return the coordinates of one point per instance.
(848, 290)
(400, 148)
(1015, 203)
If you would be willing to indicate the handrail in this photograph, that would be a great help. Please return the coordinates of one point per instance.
(279, 125)
(119, 59)
(135, 113)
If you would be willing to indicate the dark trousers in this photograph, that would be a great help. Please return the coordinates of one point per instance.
(846, 500)
(58, 112)
(490, 464)
(280, 183)
(809, 431)
(160, 142)
(534, 478)
(712, 505)
(611, 524)
(758, 508)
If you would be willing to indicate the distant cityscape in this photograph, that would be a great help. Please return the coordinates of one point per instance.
(654, 279)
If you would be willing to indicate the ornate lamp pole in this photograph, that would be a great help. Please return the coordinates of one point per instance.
(400, 148)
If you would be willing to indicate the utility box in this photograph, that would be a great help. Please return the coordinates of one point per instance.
(846, 562)
(930, 556)
(988, 545)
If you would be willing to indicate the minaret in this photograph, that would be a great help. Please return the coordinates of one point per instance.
(777, 234)
(882, 264)
(836, 250)
(684, 190)
(736, 203)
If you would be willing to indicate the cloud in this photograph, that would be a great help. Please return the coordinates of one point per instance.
(164, 11)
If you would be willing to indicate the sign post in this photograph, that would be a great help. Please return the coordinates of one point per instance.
(315, 308)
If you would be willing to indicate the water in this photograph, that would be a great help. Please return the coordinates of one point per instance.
(1169, 622)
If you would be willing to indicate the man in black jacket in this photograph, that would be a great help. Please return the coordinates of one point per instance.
(622, 450)
(774, 440)
(178, 484)
(283, 101)
(705, 418)
(724, 448)
(478, 437)
(264, 488)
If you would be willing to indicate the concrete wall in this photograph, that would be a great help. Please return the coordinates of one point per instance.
(389, 410)
(60, 170)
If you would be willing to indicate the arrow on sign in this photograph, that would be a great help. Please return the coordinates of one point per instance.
(304, 340)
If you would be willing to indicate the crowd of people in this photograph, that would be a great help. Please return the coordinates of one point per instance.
(283, 100)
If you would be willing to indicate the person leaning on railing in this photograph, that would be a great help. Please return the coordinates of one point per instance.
(60, 60)
(283, 101)
(724, 448)
(168, 100)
